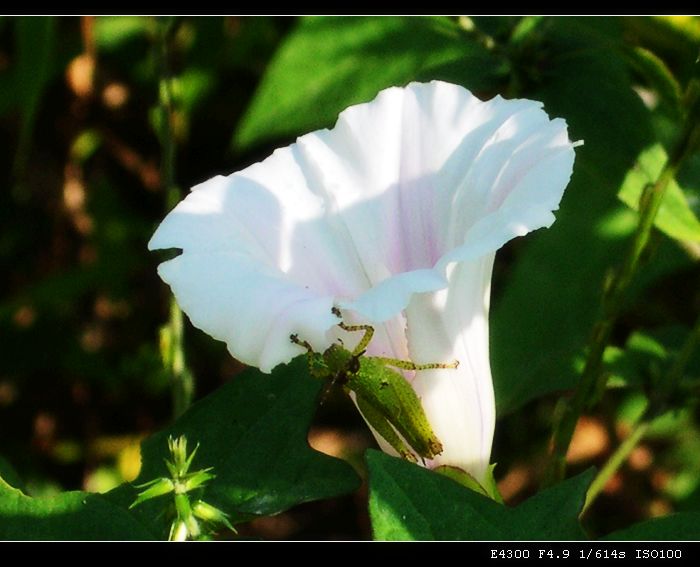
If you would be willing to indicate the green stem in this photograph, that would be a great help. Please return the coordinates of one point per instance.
(593, 379)
(617, 459)
(181, 379)
(167, 109)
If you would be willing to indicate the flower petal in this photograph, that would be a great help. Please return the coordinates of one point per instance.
(365, 216)
(254, 312)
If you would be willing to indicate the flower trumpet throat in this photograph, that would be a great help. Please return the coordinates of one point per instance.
(385, 398)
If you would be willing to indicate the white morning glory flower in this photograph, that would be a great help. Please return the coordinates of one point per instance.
(394, 216)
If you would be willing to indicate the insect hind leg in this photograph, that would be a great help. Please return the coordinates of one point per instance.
(408, 365)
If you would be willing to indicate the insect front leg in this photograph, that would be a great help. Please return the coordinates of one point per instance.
(297, 341)
(366, 338)
(317, 363)
(364, 341)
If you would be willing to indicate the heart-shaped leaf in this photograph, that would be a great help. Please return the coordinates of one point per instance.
(408, 502)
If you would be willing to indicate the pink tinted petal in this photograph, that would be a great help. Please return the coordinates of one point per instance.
(423, 177)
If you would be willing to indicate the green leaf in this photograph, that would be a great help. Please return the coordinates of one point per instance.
(9, 474)
(327, 64)
(551, 294)
(408, 502)
(553, 513)
(675, 217)
(526, 30)
(112, 32)
(193, 86)
(67, 516)
(253, 432)
(36, 44)
(679, 35)
(684, 526)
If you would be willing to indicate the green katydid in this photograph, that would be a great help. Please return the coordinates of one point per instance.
(384, 397)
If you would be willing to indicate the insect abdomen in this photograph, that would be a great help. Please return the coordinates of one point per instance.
(392, 395)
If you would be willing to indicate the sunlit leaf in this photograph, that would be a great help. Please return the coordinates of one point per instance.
(67, 516)
(408, 502)
(675, 217)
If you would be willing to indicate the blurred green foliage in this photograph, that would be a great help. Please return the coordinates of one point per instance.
(81, 379)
